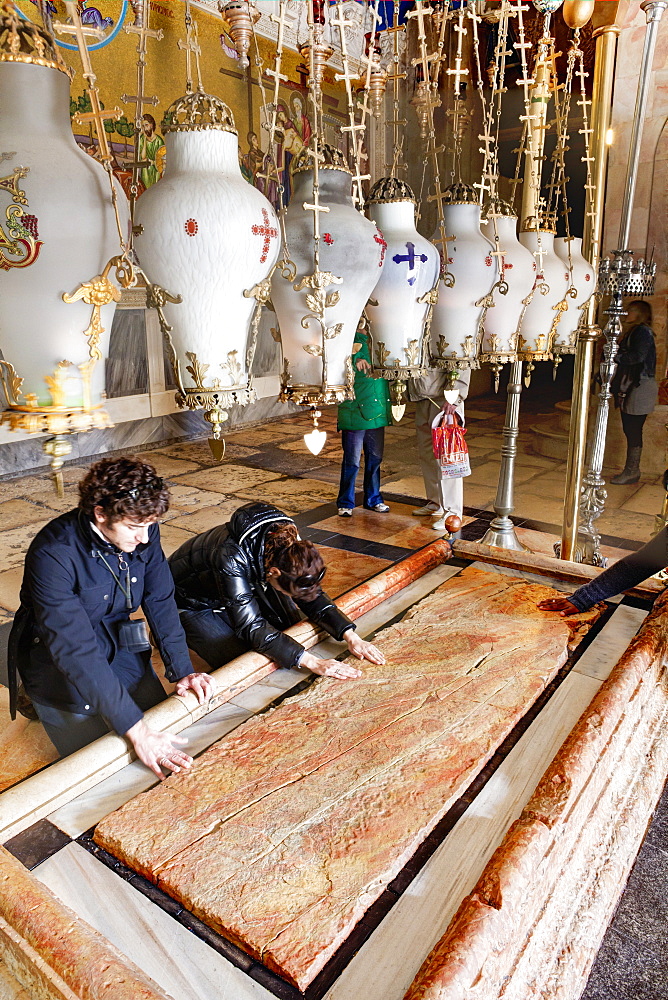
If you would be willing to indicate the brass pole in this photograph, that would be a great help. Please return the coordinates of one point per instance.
(606, 48)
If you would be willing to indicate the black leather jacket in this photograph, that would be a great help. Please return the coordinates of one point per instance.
(224, 568)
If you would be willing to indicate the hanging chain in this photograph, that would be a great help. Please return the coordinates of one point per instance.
(397, 165)
(272, 172)
(354, 128)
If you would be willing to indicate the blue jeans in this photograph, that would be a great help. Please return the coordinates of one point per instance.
(353, 442)
(211, 636)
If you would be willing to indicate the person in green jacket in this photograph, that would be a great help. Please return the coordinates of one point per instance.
(362, 422)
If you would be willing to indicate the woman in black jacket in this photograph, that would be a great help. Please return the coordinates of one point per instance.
(240, 584)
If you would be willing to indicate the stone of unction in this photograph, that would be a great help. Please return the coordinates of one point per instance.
(283, 834)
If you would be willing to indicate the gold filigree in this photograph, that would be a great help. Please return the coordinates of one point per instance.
(382, 355)
(24, 41)
(232, 367)
(196, 369)
(412, 353)
(10, 183)
(97, 292)
(56, 383)
(11, 382)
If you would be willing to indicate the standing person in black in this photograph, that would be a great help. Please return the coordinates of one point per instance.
(85, 665)
(634, 385)
(240, 584)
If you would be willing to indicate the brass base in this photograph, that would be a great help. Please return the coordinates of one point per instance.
(314, 395)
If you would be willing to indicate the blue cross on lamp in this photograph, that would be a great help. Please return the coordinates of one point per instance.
(410, 258)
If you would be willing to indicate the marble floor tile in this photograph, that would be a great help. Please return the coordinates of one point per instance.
(367, 524)
(487, 474)
(419, 533)
(537, 508)
(182, 965)
(14, 543)
(385, 966)
(208, 517)
(17, 513)
(168, 466)
(171, 537)
(628, 524)
(601, 656)
(410, 486)
(10, 584)
(646, 500)
(88, 808)
(346, 569)
(24, 746)
(190, 498)
(5, 616)
(227, 478)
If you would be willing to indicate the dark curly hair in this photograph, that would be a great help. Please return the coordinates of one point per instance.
(111, 484)
(294, 557)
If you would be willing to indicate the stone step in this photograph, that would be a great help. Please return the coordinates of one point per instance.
(549, 440)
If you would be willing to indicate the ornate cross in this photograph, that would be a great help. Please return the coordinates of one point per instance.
(269, 232)
(410, 259)
(192, 47)
(97, 114)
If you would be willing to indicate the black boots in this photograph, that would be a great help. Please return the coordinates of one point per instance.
(631, 471)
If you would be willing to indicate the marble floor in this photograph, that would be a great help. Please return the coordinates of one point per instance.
(271, 463)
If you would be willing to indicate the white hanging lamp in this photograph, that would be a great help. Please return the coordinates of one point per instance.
(212, 238)
(582, 283)
(455, 327)
(319, 309)
(57, 246)
(509, 296)
(541, 318)
(402, 301)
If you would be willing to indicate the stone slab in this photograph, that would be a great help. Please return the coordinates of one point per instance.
(284, 834)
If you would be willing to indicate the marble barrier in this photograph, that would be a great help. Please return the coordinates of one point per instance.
(534, 922)
(53, 954)
(557, 569)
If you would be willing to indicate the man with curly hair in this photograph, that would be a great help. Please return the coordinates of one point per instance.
(85, 664)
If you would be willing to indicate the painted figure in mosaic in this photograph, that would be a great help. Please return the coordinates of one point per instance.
(622, 575)
(84, 663)
(362, 422)
(151, 148)
(240, 584)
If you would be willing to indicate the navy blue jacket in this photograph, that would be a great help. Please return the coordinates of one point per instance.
(65, 646)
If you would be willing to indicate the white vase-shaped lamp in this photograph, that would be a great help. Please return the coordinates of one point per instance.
(502, 317)
(399, 305)
(583, 285)
(543, 315)
(467, 257)
(57, 232)
(317, 345)
(208, 236)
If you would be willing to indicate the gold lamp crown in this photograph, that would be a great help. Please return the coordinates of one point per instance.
(389, 190)
(499, 207)
(198, 111)
(460, 194)
(27, 42)
(332, 159)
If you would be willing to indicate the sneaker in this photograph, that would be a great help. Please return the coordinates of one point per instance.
(430, 509)
(380, 508)
(345, 512)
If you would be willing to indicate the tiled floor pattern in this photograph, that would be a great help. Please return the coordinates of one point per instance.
(272, 464)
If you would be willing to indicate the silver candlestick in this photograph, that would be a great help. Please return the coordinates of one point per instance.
(501, 531)
(619, 276)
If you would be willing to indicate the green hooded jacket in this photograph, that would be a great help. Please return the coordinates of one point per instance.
(371, 406)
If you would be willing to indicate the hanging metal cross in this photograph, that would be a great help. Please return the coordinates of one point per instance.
(140, 99)
(269, 232)
(192, 47)
(96, 115)
(410, 258)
